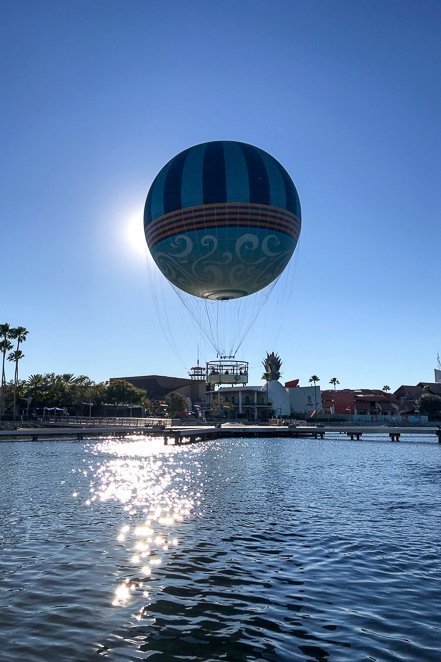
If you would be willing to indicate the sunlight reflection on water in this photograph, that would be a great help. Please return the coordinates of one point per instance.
(148, 479)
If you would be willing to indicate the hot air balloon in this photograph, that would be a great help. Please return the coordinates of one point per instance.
(222, 220)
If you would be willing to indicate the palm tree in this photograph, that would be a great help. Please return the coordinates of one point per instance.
(313, 380)
(19, 334)
(36, 386)
(334, 381)
(15, 356)
(5, 346)
(386, 388)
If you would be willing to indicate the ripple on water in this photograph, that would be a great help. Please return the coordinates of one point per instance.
(238, 550)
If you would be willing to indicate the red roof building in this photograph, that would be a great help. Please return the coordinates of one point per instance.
(359, 401)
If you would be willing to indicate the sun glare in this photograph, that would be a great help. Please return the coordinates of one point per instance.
(133, 236)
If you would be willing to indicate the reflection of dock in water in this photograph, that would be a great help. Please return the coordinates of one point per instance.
(182, 435)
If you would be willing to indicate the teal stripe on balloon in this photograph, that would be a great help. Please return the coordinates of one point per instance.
(192, 192)
(236, 172)
(276, 183)
(157, 200)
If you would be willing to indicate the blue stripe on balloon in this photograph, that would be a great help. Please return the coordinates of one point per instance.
(157, 194)
(257, 177)
(276, 183)
(292, 198)
(172, 186)
(238, 186)
(214, 173)
(191, 185)
(221, 171)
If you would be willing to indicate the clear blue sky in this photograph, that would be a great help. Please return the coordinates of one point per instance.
(98, 95)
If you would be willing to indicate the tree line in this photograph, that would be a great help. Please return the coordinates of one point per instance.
(81, 396)
(77, 395)
(11, 352)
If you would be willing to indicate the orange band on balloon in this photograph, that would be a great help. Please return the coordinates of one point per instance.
(222, 215)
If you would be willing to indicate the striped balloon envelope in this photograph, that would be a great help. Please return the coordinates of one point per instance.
(222, 220)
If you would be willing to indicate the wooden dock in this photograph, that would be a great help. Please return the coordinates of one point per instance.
(76, 432)
(181, 435)
(394, 432)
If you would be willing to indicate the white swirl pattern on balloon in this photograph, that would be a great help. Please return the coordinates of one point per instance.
(199, 265)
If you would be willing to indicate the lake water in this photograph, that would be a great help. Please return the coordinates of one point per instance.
(228, 550)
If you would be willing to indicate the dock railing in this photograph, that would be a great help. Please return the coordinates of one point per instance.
(89, 421)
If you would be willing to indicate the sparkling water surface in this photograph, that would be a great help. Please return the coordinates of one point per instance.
(281, 549)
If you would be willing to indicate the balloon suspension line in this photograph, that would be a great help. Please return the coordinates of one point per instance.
(208, 334)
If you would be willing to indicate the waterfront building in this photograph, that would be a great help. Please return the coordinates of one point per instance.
(338, 401)
(304, 399)
(360, 403)
(159, 386)
(407, 396)
(246, 402)
(234, 399)
(272, 399)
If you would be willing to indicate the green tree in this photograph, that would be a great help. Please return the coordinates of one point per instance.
(154, 408)
(121, 392)
(5, 347)
(78, 392)
(386, 388)
(176, 405)
(314, 380)
(429, 404)
(35, 386)
(18, 334)
(91, 394)
(65, 391)
(15, 357)
(97, 393)
(333, 381)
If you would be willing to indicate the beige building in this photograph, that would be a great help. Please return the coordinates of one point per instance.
(248, 402)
